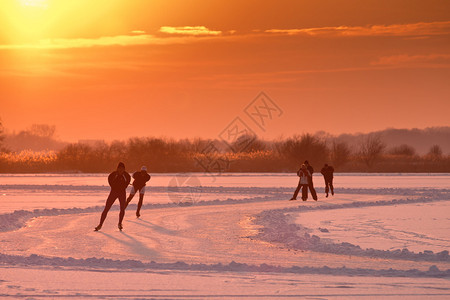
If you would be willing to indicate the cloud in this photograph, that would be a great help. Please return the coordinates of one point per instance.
(186, 34)
(189, 30)
(136, 37)
(406, 59)
(119, 40)
(414, 29)
(138, 32)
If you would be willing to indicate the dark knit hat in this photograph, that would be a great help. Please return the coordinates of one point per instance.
(121, 165)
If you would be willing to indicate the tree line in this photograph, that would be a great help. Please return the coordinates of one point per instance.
(246, 154)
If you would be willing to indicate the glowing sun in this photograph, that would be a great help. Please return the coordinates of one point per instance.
(35, 3)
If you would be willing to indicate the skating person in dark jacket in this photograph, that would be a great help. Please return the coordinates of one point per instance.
(140, 179)
(119, 181)
(310, 183)
(327, 172)
(304, 175)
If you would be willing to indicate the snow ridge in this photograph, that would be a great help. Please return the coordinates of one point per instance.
(94, 263)
(277, 228)
(427, 199)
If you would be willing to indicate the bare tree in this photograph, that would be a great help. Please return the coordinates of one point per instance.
(248, 143)
(2, 135)
(340, 153)
(43, 130)
(297, 149)
(199, 145)
(371, 148)
(2, 138)
(435, 152)
(403, 150)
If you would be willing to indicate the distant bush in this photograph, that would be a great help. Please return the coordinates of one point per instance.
(402, 150)
(27, 162)
(2, 135)
(435, 152)
(340, 154)
(202, 155)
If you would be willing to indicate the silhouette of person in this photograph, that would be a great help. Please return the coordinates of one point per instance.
(327, 172)
(119, 181)
(140, 179)
(310, 182)
(303, 183)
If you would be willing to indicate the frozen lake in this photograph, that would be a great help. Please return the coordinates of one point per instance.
(380, 235)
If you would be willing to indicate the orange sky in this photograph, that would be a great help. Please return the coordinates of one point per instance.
(113, 69)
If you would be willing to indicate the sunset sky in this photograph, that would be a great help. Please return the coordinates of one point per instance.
(114, 69)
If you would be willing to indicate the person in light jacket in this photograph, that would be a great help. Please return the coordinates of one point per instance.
(140, 179)
(303, 183)
(310, 181)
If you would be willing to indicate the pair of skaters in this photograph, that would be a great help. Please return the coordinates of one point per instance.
(305, 173)
(119, 181)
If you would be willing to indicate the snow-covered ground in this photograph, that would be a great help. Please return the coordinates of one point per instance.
(232, 236)
(416, 226)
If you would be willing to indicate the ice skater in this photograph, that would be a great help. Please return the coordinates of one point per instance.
(303, 183)
(119, 181)
(140, 179)
(327, 172)
(310, 180)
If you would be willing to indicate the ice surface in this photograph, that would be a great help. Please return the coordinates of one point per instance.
(74, 283)
(347, 180)
(380, 235)
(417, 227)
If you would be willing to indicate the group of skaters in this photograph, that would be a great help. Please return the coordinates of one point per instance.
(120, 179)
(306, 181)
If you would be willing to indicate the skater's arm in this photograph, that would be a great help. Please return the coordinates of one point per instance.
(128, 177)
(111, 178)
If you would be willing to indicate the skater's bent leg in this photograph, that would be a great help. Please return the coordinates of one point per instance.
(305, 192)
(123, 205)
(129, 200)
(331, 187)
(312, 190)
(130, 197)
(109, 202)
(296, 191)
(141, 200)
(132, 193)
